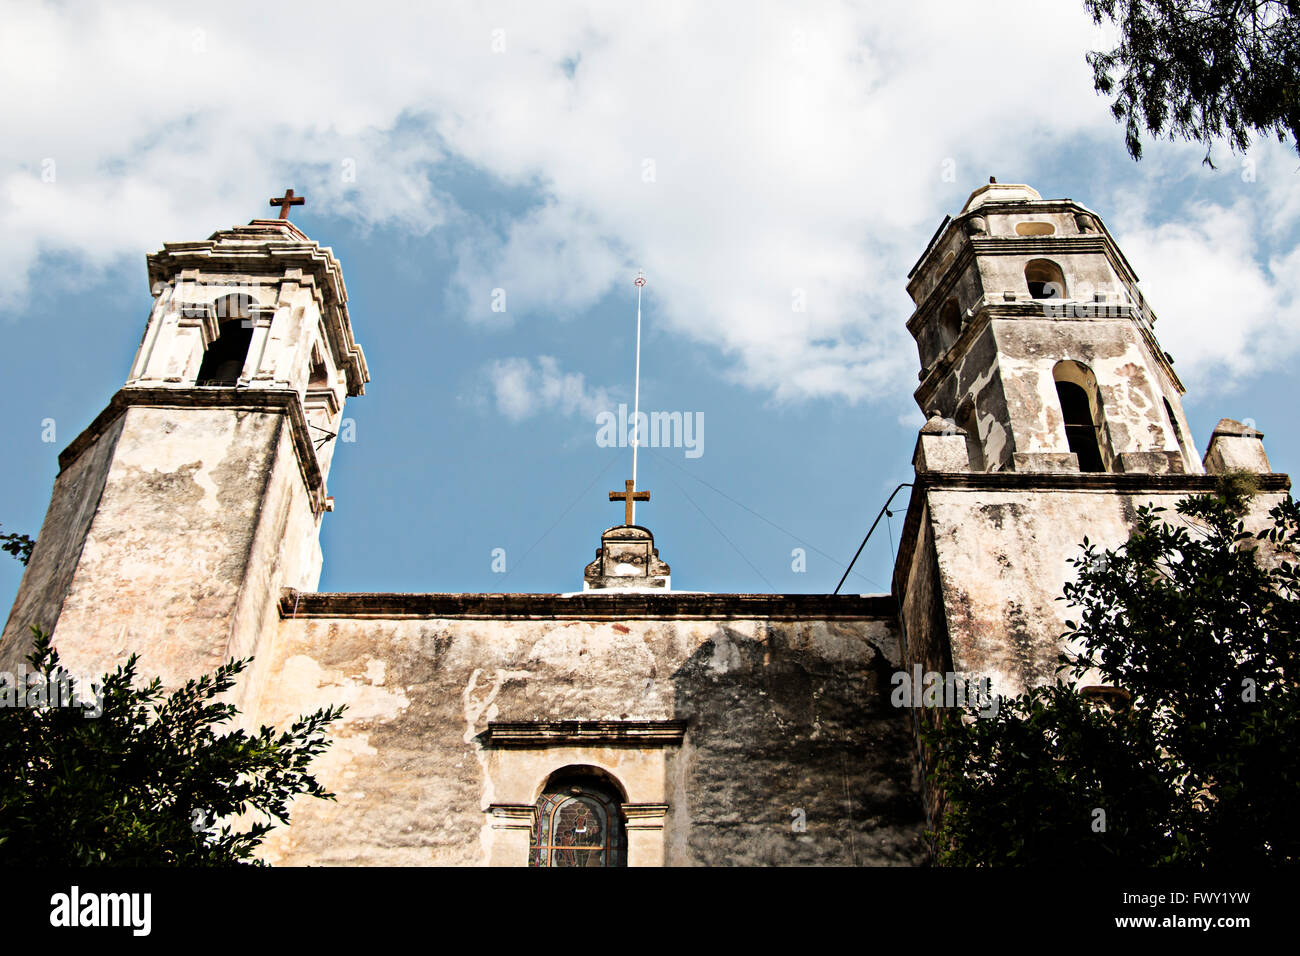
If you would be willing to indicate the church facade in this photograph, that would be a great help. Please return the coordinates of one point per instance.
(627, 723)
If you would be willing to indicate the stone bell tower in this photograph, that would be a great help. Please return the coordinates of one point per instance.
(1053, 415)
(1034, 339)
(198, 492)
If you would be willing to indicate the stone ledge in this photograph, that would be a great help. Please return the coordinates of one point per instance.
(986, 311)
(1039, 245)
(608, 606)
(1130, 482)
(286, 401)
(1106, 482)
(1016, 207)
(551, 733)
(644, 816)
(512, 816)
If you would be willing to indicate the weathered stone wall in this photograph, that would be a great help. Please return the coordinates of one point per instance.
(1135, 419)
(782, 716)
(1087, 271)
(1006, 369)
(49, 574)
(923, 610)
(202, 518)
(962, 286)
(1002, 547)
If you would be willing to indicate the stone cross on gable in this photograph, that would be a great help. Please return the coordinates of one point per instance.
(628, 496)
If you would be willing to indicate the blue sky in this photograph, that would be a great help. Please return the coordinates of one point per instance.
(745, 156)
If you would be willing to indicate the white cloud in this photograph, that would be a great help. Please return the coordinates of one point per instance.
(553, 257)
(1226, 308)
(522, 388)
(793, 148)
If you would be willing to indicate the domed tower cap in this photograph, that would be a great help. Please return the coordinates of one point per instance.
(1000, 192)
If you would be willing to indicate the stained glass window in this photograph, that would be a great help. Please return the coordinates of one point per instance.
(578, 824)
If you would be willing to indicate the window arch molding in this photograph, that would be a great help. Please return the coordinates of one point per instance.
(579, 819)
(949, 324)
(591, 770)
(224, 357)
(1045, 279)
(1083, 415)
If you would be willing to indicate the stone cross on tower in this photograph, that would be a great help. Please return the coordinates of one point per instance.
(628, 495)
(287, 200)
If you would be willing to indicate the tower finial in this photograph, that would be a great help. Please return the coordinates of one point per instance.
(629, 496)
(287, 200)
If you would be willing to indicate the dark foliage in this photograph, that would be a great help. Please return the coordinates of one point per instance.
(19, 545)
(156, 779)
(1201, 69)
(1197, 623)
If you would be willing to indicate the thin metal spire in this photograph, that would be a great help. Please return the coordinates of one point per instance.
(636, 390)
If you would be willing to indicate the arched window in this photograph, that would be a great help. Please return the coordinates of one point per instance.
(1085, 429)
(949, 325)
(579, 821)
(1045, 279)
(223, 362)
(318, 376)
